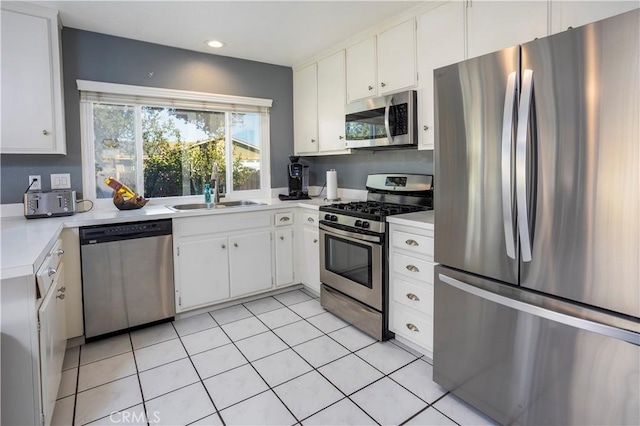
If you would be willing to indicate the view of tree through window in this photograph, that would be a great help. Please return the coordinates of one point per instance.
(178, 149)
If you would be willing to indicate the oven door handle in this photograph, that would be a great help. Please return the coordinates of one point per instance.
(354, 235)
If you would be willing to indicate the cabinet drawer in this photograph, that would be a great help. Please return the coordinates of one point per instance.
(310, 219)
(412, 327)
(418, 244)
(413, 267)
(196, 226)
(413, 296)
(49, 269)
(283, 219)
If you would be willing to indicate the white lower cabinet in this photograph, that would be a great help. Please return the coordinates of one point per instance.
(411, 285)
(53, 343)
(284, 256)
(311, 251)
(250, 263)
(203, 272)
(221, 257)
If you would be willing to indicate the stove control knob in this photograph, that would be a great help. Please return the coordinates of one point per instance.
(358, 223)
(327, 217)
(334, 218)
(365, 224)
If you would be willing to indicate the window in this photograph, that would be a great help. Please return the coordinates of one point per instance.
(165, 145)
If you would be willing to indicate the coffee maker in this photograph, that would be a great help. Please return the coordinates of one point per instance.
(298, 178)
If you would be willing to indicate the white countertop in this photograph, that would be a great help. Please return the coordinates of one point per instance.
(423, 220)
(24, 242)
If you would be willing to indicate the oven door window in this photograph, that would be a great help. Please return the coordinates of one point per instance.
(349, 259)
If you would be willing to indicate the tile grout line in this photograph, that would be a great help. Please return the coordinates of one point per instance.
(316, 370)
(135, 361)
(258, 373)
(199, 377)
(75, 395)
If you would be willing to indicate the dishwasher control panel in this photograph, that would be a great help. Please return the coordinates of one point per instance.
(129, 230)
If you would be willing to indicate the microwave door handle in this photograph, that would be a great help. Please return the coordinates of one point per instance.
(387, 110)
(507, 140)
(521, 164)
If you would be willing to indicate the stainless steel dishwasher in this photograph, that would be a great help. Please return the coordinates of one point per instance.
(127, 276)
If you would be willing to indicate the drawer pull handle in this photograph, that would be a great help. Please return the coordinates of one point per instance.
(59, 252)
(315, 240)
(235, 244)
(310, 219)
(285, 219)
(412, 243)
(413, 297)
(60, 296)
(281, 238)
(224, 247)
(413, 268)
(413, 327)
(62, 289)
(51, 271)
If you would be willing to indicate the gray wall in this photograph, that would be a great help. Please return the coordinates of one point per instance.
(99, 57)
(353, 168)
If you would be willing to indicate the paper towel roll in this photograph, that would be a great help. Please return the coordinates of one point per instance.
(332, 184)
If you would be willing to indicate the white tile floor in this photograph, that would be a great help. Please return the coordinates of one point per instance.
(280, 360)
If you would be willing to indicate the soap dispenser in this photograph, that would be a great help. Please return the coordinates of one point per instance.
(207, 193)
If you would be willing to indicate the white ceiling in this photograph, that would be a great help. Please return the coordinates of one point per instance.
(277, 32)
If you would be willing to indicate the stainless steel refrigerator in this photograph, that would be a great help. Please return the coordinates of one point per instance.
(537, 295)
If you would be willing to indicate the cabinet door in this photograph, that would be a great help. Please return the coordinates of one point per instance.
(331, 102)
(361, 70)
(32, 121)
(202, 272)
(311, 267)
(565, 14)
(494, 25)
(305, 110)
(284, 256)
(250, 263)
(440, 43)
(397, 58)
(53, 342)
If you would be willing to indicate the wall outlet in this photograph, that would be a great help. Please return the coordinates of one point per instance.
(61, 181)
(37, 185)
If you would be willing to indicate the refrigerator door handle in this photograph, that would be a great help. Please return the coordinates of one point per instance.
(387, 110)
(521, 164)
(510, 99)
(573, 321)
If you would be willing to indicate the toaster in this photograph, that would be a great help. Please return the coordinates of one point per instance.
(49, 203)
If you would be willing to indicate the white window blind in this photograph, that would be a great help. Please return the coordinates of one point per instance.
(93, 91)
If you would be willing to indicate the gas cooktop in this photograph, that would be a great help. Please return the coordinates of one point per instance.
(372, 210)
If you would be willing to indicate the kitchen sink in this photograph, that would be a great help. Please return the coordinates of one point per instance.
(219, 205)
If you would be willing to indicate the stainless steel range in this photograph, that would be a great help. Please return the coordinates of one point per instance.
(353, 249)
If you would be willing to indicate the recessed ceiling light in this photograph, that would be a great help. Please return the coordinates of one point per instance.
(215, 43)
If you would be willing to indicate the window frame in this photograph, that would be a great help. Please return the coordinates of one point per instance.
(138, 96)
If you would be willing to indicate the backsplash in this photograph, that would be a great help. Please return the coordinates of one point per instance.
(353, 168)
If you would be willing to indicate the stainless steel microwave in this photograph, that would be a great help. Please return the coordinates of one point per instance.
(383, 123)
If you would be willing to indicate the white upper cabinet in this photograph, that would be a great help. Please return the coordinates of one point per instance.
(32, 103)
(565, 14)
(435, 51)
(305, 110)
(361, 70)
(397, 58)
(382, 64)
(331, 102)
(494, 25)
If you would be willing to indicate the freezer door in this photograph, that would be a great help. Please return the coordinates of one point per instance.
(523, 358)
(476, 102)
(584, 164)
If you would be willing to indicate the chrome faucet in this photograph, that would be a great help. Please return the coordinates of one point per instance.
(214, 182)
